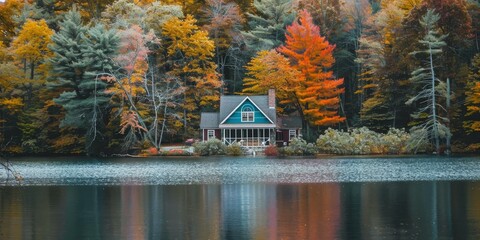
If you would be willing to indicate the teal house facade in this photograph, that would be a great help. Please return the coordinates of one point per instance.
(250, 121)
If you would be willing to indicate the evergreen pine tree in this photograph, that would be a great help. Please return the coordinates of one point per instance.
(268, 26)
(429, 125)
(81, 56)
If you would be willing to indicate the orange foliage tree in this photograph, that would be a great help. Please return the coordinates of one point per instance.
(311, 54)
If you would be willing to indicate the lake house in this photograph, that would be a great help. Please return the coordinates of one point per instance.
(251, 121)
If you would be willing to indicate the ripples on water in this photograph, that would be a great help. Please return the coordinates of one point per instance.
(227, 170)
(243, 198)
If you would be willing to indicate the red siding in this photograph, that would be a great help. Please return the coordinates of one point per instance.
(284, 134)
(205, 134)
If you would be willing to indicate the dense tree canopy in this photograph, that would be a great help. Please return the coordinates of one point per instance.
(472, 102)
(113, 75)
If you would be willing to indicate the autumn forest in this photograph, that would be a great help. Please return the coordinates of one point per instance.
(107, 76)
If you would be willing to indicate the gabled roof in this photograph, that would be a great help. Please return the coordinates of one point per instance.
(209, 120)
(229, 103)
(292, 121)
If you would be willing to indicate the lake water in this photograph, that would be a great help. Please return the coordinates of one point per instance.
(243, 198)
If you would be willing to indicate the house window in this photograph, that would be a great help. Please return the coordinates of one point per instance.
(247, 114)
(210, 134)
(292, 134)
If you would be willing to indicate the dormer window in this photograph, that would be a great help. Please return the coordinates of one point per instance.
(247, 113)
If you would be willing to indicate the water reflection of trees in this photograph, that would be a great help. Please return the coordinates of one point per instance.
(400, 210)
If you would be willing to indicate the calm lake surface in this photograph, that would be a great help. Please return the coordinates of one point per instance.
(242, 198)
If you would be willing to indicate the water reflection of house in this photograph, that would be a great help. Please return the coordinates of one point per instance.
(132, 199)
(251, 121)
(308, 211)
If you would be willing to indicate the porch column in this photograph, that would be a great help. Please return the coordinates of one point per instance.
(241, 134)
(264, 138)
(251, 136)
(223, 136)
(271, 136)
(258, 136)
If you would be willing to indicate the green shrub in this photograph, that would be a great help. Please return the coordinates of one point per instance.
(210, 147)
(334, 142)
(361, 141)
(396, 141)
(31, 146)
(299, 147)
(234, 150)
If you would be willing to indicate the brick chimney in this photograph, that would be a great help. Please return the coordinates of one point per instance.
(271, 98)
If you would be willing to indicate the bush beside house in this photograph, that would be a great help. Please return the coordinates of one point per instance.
(299, 147)
(362, 141)
(358, 141)
(210, 147)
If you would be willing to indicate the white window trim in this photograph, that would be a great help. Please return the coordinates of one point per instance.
(250, 115)
(249, 118)
(213, 134)
(290, 134)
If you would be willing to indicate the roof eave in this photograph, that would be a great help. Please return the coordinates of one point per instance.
(235, 109)
(233, 126)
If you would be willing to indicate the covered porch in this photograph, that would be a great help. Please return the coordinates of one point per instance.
(249, 137)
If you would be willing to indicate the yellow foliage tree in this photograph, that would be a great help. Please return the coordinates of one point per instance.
(13, 105)
(189, 54)
(472, 101)
(191, 7)
(270, 69)
(391, 16)
(31, 44)
(143, 2)
(7, 23)
(11, 102)
(3, 52)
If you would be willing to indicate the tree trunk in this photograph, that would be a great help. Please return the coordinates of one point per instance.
(155, 121)
(32, 69)
(344, 114)
(449, 134)
(185, 111)
(163, 124)
(24, 67)
(434, 107)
